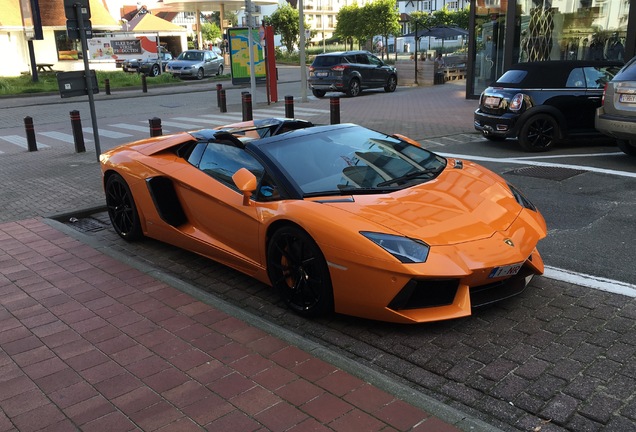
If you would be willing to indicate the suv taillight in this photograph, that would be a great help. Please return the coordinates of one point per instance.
(604, 91)
(311, 68)
(339, 68)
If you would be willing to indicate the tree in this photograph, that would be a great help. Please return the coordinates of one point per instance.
(347, 26)
(285, 21)
(382, 17)
(210, 32)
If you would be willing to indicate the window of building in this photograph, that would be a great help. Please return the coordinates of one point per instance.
(67, 49)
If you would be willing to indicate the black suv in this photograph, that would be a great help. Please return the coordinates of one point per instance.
(541, 103)
(350, 72)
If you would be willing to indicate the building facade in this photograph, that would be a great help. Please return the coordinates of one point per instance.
(505, 32)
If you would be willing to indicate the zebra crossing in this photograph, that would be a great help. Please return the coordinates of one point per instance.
(118, 133)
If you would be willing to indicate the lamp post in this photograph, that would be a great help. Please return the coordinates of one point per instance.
(415, 58)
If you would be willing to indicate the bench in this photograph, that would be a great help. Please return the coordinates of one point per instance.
(45, 67)
(454, 73)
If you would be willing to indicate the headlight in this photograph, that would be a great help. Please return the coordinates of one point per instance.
(405, 249)
(523, 201)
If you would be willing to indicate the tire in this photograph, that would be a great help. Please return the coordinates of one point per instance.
(155, 70)
(354, 88)
(539, 133)
(318, 93)
(220, 71)
(391, 84)
(298, 270)
(200, 74)
(627, 147)
(122, 209)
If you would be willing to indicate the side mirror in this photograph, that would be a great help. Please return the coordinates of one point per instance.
(246, 182)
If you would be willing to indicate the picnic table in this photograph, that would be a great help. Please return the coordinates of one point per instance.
(44, 67)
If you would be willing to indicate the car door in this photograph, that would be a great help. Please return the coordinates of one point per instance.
(595, 80)
(379, 71)
(574, 104)
(365, 69)
(214, 205)
(208, 63)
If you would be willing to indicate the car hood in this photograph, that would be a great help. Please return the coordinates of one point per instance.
(460, 205)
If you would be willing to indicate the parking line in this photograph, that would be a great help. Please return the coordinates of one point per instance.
(60, 136)
(586, 280)
(543, 164)
(133, 127)
(106, 133)
(19, 141)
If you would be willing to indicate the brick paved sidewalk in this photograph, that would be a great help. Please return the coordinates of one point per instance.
(91, 343)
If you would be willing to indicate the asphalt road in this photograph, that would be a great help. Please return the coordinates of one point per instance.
(558, 357)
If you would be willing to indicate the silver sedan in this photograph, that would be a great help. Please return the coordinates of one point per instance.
(196, 64)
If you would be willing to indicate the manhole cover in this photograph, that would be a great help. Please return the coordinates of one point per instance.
(549, 173)
(86, 224)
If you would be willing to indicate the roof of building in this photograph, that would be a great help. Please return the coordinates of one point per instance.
(53, 15)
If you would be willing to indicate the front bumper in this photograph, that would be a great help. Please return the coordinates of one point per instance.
(504, 126)
(182, 72)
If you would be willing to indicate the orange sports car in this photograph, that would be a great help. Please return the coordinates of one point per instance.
(337, 218)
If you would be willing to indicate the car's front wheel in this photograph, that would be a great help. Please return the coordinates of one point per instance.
(391, 84)
(627, 147)
(354, 88)
(318, 93)
(200, 74)
(220, 71)
(155, 70)
(298, 270)
(539, 133)
(122, 209)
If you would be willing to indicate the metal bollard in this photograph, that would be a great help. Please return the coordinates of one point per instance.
(218, 94)
(144, 84)
(155, 127)
(334, 107)
(246, 98)
(222, 101)
(107, 86)
(78, 134)
(289, 106)
(30, 134)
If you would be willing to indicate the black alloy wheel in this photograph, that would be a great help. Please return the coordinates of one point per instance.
(122, 209)
(298, 270)
(354, 88)
(318, 93)
(539, 133)
(627, 147)
(200, 74)
(391, 84)
(220, 71)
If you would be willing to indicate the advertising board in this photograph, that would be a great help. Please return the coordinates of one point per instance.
(123, 46)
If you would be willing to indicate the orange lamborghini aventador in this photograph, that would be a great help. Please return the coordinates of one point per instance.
(337, 218)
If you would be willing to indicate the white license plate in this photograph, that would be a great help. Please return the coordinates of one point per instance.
(491, 101)
(627, 98)
(322, 74)
(504, 271)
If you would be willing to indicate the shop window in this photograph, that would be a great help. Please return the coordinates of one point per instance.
(67, 49)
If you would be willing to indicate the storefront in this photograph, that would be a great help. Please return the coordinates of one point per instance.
(503, 33)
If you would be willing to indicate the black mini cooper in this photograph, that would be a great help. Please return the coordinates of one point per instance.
(541, 103)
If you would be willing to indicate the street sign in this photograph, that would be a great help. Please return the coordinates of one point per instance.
(73, 30)
(74, 83)
(69, 9)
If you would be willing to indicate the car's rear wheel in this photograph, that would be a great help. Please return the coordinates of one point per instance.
(200, 74)
(122, 209)
(627, 147)
(391, 84)
(220, 71)
(354, 88)
(539, 133)
(155, 70)
(318, 93)
(298, 270)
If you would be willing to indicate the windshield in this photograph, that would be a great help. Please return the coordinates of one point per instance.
(191, 55)
(353, 160)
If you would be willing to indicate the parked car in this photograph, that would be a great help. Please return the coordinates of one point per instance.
(149, 67)
(542, 103)
(337, 218)
(617, 115)
(350, 72)
(196, 64)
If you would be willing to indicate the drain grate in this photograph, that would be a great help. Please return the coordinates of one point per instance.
(549, 173)
(86, 224)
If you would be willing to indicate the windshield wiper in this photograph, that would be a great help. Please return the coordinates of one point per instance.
(411, 176)
(348, 191)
